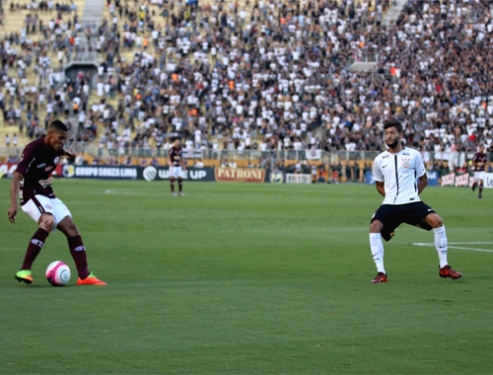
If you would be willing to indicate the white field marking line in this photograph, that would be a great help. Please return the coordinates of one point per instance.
(430, 244)
(125, 192)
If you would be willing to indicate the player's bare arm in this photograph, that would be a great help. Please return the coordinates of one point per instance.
(14, 192)
(68, 153)
(423, 182)
(380, 187)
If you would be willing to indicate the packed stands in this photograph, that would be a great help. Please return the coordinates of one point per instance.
(264, 75)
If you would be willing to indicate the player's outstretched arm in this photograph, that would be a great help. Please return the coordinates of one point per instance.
(380, 187)
(68, 153)
(423, 181)
(14, 191)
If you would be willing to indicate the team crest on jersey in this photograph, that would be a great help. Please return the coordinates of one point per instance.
(406, 162)
(56, 160)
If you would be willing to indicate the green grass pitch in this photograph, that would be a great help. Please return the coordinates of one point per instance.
(248, 279)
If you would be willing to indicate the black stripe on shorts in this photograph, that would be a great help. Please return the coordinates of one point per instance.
(38, 204)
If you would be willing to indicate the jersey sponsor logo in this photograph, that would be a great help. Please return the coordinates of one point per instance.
(46, 183)
(406, 153)
(385, 156)
(406, 162)
(48, 207)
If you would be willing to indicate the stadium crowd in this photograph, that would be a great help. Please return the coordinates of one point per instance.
(266, 74)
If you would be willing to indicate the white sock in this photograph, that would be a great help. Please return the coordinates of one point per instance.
(441, 245)
(376, 245)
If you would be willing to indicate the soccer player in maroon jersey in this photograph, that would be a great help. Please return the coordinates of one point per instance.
(176, 166)
(33, 180)
(479, 162)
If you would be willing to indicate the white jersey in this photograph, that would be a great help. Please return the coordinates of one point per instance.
(400, 173)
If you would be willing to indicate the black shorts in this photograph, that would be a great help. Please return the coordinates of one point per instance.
(392, 216)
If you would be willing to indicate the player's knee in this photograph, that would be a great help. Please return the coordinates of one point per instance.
(71, 228)
(435, 221)
(376, 226)
(47, 223)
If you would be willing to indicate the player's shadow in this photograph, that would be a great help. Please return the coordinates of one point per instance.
(38, 286)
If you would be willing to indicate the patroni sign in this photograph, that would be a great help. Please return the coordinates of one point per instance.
(239, 174)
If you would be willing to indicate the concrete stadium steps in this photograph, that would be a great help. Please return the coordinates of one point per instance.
(394, 12)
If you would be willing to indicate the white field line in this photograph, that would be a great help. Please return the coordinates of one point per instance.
(124, 192)
(451, 246)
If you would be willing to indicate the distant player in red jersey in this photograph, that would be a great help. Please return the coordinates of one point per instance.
(479, 163)
(32, 180)
(176, 166)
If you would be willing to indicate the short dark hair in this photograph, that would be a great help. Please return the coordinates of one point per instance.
(393, 123)
(58, 125)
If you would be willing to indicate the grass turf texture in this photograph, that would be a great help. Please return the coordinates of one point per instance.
(238, 278)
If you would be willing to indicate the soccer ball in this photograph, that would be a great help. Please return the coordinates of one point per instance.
(58, 273)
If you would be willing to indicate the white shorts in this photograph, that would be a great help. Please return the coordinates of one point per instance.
(479, 176)
(41, 204)
(175, 172)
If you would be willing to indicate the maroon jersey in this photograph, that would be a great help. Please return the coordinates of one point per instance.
(37, 163)
(479, 158)
(175, 156)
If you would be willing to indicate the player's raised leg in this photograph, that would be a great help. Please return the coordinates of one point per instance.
(441, 245)
(78, 252)
(46, 225)
(377, 251)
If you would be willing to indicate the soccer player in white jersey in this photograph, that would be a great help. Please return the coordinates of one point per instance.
(400, 177)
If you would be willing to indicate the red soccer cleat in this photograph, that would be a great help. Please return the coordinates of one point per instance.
(448, 271)
(380, 278)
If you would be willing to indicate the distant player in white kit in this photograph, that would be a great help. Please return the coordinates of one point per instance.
(479, 162)
(396, 172)
(176, 166)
